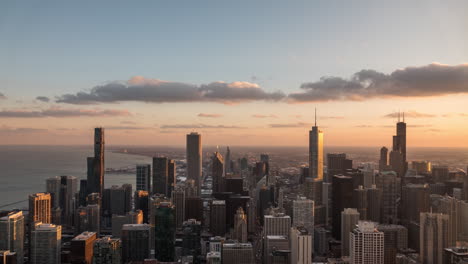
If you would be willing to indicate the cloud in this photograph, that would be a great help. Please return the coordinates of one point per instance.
(411, 114)
(209, 115)
(127, 122)
(43, 99)
(429, 80)
(289, 125)
(22, 130)
(198, 126)
(2, 96)
(127, 127)
(61, 112)
(264, 116)
(364, 126)
(143, 89)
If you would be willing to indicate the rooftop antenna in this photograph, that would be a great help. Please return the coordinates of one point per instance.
(398, 116)
(403, 117)
(315, 116)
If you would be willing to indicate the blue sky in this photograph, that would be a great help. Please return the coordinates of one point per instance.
(51, 48)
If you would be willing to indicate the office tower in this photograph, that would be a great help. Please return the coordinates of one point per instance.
(194, 159)
(120, 199)
(107, 251)
(316, 152)
(465, 185)
(349, 220)
(337, 163)
(342, 197)
(118, 221)
(276, 250)
(383, 162)
(320, 242)
(366, 244)
(240, 226)
(251, 215)
(458, 216)
(142, 203)
(228, 167)
(360, 201)
(53, 187)
(12, 234)
(160, 175)
(96, 168)
(67, 200)
(164, 232)
(83, 192)
(440, 173)
(395, 238)
(191, 237)
(326, 200)
(218, 218)
(213, 257)
(143, 177)
(390, 185)
(301, 245)
(171, 177)
(40, 208)
(433, 237)
(135, 242)
(8, 257)
(456, 255)
(277, 224)
(82, 248)
(217, 172)
(237, 253)
(398, 154)
(46, 240)
(193, 208)
(421, 167)
(178, 199)
(313, 189)
(303, 213)
(374, 202)
(414, 200)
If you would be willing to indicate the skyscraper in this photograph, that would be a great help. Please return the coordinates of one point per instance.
(96, 168)
(194, 159)
(228, 168)
(12, 234)
(342, 197)
(337, 163)
(142, 203)
(301, 245)
(360, 201)
(40, 208)
(135, 242)
(390, 185)
(160, 175)
(46, 241)
(143, 177)
(303, 214)
(277, 224)
(398, 161)
(240, 226)
(218, 218)
(383, 161)
(164, 232)
(237, 253)
(178, 200)
(349, 220)
(433, 237)
(395, 238)
(316, 152)
(217, 172)
(366, 244)
(107, 251)
(82, 248)
(171, 177)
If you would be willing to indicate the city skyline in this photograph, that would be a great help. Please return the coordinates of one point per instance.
(254, 80)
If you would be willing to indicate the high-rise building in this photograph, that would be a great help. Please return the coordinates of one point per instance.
(40, 208)
(7, 257)
(135, 242)
(46, 241)
(383, 162)
(63, 191)
(194, 159)
(217, 172)
(440, 173)
(390, 185)
(171, 177)
(120, 199)
(301, 245)
(96, 168)
(240, 226)
(342, 197)
(107, 251)
(366, 244)
(88, 218)
(178, 200)
(457, 216)
(360, 201)
(228, 167)
(337, 164)
(421, 167)
(398, 161)
(374, 202)
(303, 214)
(143, 177)
(82, 248)
(349, 220)
(277, 224)
(218, 218)
(433, 237)
(118, 221)
(160, 175)
(455, 255)
(276, 250)
(12, 234)
(395, 239)
(414, 200)
(164, 232)
(316, 152)
(142, 203)
(237, 253)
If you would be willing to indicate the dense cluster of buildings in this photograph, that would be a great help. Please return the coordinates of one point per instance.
(243, 211)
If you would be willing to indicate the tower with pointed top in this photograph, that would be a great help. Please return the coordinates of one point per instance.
(398, 154)
(316, 151)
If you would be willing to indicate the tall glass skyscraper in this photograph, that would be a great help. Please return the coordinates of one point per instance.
(194, 159)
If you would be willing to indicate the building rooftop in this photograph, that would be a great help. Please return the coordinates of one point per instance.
(136, 227)
(219, 202)
(84, 236)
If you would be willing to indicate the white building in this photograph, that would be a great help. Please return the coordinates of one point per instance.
(301, 245)
(366, 244)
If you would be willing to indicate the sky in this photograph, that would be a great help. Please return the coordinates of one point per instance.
(238, 72)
